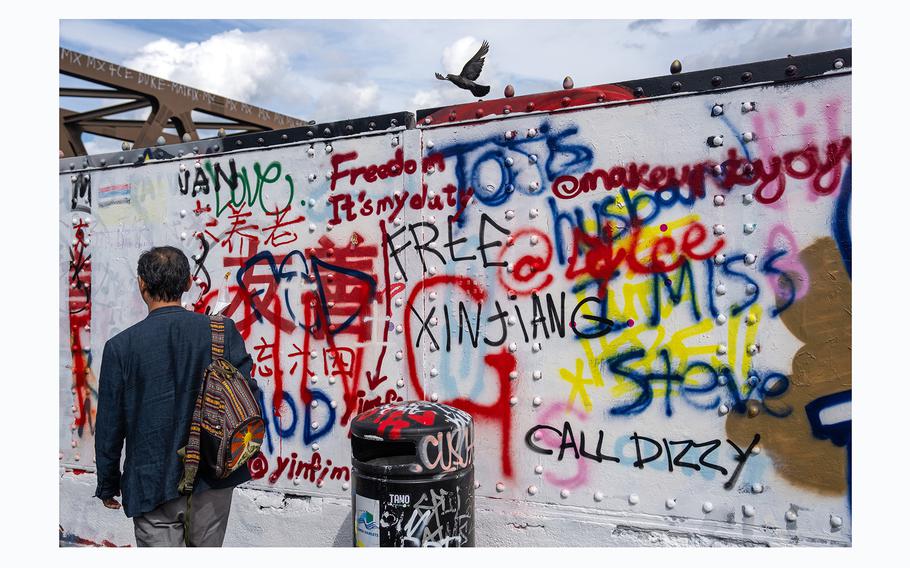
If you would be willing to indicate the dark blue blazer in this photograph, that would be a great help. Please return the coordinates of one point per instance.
(150, 376)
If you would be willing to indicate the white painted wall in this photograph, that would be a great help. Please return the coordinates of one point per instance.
(791, 490)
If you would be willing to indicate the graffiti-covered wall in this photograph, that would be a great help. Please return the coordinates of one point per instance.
(643, 302)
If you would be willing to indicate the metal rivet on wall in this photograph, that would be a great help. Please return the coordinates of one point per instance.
(717, 110)
(719, 229)
(398, 355)
(749, 258)
(757, 488)
(748, 511)
(716, 140)
(532, 490)
(720, 289)
(400, 383)
(434, 397)
(537, 375)
(790, 516)
(749, 228)
(670, 503)
(598, 496)
(500, 487)
(707, 507)
(748, 198)
(532, 132)
(838, 63)
(633, 499)
(723, 409)
(564, 493)
(836, 521)
(718, 200)
(721, 349)
(538, 469)
(509, 91)
(537, 401)
(746, 77)
(513, 401)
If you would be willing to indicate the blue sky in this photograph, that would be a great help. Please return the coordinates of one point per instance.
(327, 70)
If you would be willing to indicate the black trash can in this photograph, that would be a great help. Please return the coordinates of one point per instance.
(413, 476)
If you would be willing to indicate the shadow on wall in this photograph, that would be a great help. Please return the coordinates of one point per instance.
(345, 535)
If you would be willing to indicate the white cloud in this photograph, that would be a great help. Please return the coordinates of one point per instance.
(231, 64)
(455, 55)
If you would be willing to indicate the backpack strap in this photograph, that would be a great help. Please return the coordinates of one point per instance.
(216, 322)
(191, 450)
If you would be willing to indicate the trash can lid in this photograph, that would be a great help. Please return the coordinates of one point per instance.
(408, 439)
(411, 420)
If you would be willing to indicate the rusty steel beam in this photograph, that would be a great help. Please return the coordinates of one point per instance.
(97, 93)
(106, 111)
(172, 106)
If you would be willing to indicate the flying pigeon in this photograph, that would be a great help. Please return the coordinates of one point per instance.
(470, 73)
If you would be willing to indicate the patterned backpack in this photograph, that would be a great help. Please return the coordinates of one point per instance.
(227, 426)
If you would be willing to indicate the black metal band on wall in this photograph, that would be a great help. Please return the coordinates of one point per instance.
(797, 68)
(250, 141)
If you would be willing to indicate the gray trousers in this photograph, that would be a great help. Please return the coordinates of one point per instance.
(195, 520)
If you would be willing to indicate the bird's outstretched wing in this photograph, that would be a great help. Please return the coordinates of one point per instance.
(474, 66)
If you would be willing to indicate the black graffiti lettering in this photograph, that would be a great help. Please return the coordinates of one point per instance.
(420, 247)
(425, 326)
(484, 221)
(452, 242)
(677, 461)
(597, 456)
(640, 463)
(741, 458)
(712, 445)
(394, 252)
(500, 315)
(568, 441)
(529, 438)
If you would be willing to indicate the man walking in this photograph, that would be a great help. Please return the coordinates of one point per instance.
(151, 374)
